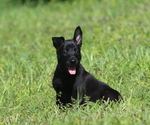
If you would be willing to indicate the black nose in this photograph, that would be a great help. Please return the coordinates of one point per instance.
(72, 60)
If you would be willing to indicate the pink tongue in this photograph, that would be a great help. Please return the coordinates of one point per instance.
(72, 71)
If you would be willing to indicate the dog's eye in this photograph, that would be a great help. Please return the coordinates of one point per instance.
(64, 52)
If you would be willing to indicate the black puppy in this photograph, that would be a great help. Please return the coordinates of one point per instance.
(71, 80)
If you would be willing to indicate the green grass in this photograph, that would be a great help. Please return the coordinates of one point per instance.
(116, 50)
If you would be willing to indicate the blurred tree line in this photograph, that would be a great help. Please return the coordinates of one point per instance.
(34, 1)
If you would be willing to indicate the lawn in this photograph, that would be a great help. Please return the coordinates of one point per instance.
(116, 50)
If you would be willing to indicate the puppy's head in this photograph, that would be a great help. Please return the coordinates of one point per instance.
(68, 52)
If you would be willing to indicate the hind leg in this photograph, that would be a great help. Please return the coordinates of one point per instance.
(112, 95)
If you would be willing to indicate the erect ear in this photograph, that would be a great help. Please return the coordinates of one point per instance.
(57, 41)
(78, 36)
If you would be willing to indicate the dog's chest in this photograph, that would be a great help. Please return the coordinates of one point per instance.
(64, 82)
(68, 81)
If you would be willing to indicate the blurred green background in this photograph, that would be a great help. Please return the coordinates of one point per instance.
(116, 50)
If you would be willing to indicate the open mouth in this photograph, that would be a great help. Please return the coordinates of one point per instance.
(72, 70)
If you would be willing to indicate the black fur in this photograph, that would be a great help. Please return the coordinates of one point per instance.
(71, 80)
